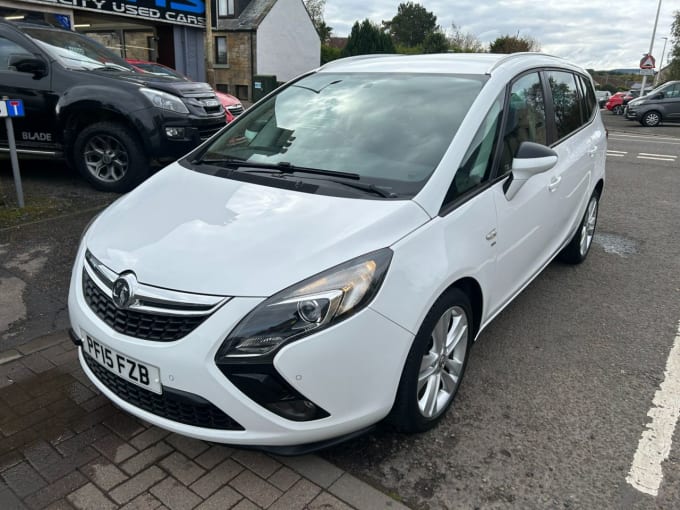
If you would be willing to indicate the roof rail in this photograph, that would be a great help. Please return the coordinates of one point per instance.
(358, 58)
(510, 56)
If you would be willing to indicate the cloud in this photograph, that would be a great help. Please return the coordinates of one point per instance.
(592, 33)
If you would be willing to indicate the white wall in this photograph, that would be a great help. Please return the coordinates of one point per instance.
(287, 42)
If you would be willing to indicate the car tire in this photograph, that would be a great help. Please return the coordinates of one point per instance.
(617, 110)
(110, 157)
(651, 119)
(435, 365)
(577, 250)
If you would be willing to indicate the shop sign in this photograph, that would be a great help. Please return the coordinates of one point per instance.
(183, 12)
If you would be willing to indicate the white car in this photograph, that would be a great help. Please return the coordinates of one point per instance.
(326, 261)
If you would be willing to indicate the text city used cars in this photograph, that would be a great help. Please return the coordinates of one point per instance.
(326, 261)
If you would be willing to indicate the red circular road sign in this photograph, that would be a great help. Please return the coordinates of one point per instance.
(647, 62)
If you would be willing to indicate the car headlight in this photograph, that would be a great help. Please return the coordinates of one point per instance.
(307, 307)
(164, 100)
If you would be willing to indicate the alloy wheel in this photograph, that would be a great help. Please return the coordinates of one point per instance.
(106, 158)
(652, 119)
(588, 227)
(441, 367)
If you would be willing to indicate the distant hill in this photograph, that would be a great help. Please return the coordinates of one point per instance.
(634, 70)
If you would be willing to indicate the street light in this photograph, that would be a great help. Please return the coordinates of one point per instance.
(651, 47)
(656, 78)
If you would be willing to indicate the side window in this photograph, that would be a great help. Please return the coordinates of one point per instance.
(525, 117)
(673, 92)
(8, 48)
(588, 101)
(566, 102)
(478, 160)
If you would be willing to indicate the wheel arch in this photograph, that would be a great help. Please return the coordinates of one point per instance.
(471, 288)
(599, 187)
(78, 118)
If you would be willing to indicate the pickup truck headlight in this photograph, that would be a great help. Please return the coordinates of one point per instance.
(164, 100)
(307, 307)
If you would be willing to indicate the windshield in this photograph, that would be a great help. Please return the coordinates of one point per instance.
(75, 51)
(389, 129)
(159, 70)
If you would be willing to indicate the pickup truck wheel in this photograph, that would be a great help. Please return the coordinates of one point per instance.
(110, 157)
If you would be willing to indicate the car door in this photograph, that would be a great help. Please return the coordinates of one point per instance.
(577, 143)
(35, 132)
(525, 236)
(671, 102)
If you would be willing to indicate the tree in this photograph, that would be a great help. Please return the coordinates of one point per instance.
(315, 9)
(435, 42)
(367, 38)
(674, 66)
(464, 42)
(411, 24)
(513, 44)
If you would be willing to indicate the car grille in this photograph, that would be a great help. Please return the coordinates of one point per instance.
(207, 132)
(142, 325)
(175, 405)
(235, 110)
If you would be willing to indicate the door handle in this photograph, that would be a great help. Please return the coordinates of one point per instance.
(592, 151)
(554, 184)
(491, 235)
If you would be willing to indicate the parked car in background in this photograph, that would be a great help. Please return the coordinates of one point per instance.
(629, 96)
(660, 105)
(602, 97)
(232, 105)
(87, 105)
(615, 103)
(318, 266)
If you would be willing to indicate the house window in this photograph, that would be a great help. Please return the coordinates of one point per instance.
(221, 50)
(225, 8)
(222, 87)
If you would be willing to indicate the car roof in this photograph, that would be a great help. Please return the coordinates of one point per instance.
(458, 63)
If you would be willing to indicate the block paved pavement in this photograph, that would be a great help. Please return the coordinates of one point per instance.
(63, 445)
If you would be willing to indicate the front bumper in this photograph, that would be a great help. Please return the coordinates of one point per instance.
(351, 370)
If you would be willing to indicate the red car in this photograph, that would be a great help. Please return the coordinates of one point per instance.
(615, 103)
(232, 106)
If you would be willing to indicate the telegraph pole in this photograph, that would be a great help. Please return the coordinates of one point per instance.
(663, 52)
(209, 45)
(651, 47)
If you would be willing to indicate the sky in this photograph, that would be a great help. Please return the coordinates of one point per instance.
(595, 34)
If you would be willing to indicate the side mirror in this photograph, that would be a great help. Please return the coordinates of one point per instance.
(531, 159)
(28, 64)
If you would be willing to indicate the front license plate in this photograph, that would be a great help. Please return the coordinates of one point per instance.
(125, 367)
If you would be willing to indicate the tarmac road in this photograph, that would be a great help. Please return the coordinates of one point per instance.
(557, 390)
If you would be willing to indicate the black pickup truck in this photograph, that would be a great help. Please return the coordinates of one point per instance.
(87, 105)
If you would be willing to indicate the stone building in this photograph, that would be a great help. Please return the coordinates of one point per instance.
(260, 37)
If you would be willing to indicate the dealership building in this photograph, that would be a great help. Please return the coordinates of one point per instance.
(249, 37)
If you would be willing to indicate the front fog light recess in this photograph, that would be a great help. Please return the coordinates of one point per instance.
(174, 132)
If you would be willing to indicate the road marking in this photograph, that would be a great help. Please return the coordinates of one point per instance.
(643, 137)
(657, 159)
(619, 152)
(658, 155)
(655, 444)
(615, 155)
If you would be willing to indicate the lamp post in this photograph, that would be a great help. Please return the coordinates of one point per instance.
(656, 78)
(651, 47)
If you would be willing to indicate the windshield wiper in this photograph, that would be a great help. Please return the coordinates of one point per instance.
(370, 188)
(283, 167)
